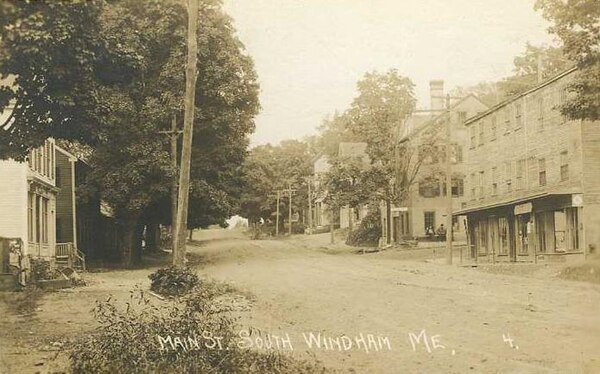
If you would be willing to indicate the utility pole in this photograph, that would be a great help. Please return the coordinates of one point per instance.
(309, 182)
(290, 210)
(277, 217)
(448, 184)
(173, 134)
(188, 126)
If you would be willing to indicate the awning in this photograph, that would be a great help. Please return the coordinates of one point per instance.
(512, 202)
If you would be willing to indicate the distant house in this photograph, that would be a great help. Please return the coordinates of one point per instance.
(346, 216)
(425, 205)
(351, 216)
(321, 215)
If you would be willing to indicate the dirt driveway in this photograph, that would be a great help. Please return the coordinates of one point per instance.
(475, 322)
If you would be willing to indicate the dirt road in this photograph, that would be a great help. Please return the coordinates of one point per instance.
(475, 322)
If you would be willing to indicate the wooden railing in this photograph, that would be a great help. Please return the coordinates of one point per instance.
(67, 254)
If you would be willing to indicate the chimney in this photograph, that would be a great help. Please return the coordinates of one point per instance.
(436, 92)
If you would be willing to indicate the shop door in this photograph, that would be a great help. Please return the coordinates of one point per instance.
(522, 235)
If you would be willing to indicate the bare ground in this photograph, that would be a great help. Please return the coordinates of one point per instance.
(303, 285)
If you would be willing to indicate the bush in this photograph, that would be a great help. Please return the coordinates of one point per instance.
(126, 340)
(41, 269)
(298, 228)
(368, 232)
(173, 281)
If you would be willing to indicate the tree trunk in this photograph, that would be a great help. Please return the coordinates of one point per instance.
(191, 234)
(350, 225)
(128, 241)
(152, 237)
(388, 214)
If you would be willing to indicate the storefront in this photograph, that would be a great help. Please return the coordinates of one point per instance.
(526, 230)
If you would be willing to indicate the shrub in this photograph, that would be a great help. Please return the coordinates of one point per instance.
(126, 340)
(173, 281)
(42, 269)
(367, 234)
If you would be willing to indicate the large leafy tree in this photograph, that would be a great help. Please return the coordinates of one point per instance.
(270, 168)
(535, 62)
(577, 24)
(127, 90)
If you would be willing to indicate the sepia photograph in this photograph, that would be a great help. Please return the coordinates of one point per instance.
(300, 186)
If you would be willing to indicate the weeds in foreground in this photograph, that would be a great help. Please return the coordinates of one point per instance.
(176, 336)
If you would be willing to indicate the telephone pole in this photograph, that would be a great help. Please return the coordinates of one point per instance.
(173, 134)
(309, 182)
(277, 217)
(448, 184)
(188, 126)
(290, 209)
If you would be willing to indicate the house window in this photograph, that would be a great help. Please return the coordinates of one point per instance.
(458, 153)
(493, 128)
(458, 187)
(520, 174)
(542, 171)
(564, 166)
(481, 132)
(429, 220)
(473, 185)
(44, 220)
(518, 116)
(494, 181)
(462, 117)
(429, 187)
(30, 216)
(472, 132)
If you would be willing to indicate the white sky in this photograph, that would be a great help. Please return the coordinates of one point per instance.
(309, 54)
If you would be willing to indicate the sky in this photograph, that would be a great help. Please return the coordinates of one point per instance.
(309, 54)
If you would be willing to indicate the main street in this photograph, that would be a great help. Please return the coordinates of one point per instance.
(487, 323)
(402, 312)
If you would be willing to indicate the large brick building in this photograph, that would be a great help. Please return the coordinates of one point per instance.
(533, 178)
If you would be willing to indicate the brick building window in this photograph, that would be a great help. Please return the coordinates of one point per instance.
(520, 174)
(507, 124)
(493, 128)
(473, 185)
(494, 181)
(540, 108)
(462, 117)
(473, 141)
(508, 176)
(481, 132)
(518, 116)
(542, 171)
(564, 166)
(481, 183)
